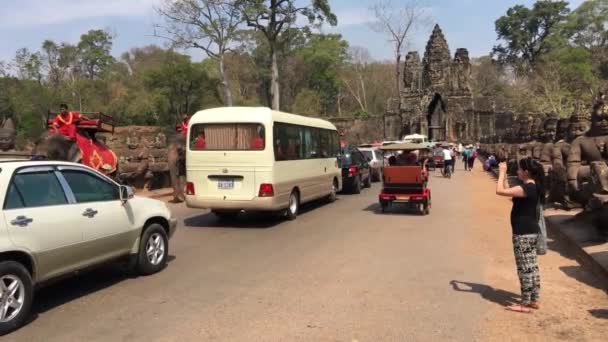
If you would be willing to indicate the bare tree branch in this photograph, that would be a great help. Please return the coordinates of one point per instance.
(208, 25)
(398, 22)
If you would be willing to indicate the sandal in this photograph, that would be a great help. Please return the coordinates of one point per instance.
(519, 308)
(534, 305)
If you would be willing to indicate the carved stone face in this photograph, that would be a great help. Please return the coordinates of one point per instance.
(599, 121)
(525, 129)
(7, 139)
(577, 129)
(132, 142)
(435, 73)
(550, 130)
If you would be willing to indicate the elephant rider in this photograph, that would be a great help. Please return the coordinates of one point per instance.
(182, 127)
(65, 122)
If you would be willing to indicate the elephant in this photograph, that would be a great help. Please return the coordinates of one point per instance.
(176, 157)
(55, 146)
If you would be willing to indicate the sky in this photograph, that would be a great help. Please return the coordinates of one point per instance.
(27, 23)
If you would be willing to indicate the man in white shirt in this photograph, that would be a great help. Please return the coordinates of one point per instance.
(447, 158)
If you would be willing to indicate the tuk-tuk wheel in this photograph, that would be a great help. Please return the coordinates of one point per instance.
(383, 206)
(426, 208)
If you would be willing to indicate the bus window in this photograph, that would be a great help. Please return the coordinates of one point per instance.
(227, 137)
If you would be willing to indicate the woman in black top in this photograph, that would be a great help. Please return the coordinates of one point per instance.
(524, 222)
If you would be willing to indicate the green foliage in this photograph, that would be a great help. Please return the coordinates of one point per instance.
(323, 55)
(308, 102)
(361, 114)
(94, 53)
(527, 32)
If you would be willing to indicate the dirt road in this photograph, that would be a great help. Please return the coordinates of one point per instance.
(340, 272)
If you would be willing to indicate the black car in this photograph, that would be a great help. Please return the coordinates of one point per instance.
(356, 171)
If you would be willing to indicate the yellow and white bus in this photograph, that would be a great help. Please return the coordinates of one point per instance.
(258, 159)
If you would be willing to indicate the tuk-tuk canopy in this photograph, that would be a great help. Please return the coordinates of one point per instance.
(405, 146)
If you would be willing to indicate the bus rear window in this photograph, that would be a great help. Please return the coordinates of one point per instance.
(227, 137)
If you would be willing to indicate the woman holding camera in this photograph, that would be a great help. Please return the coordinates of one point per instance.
(526, 230)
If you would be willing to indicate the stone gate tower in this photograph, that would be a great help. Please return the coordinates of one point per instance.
(436, 99)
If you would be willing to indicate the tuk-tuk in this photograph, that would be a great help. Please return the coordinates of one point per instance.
(404, 180)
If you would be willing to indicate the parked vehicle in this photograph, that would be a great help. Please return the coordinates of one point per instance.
(356, 171)
(258, 159)
(62, 217)
(376, 161)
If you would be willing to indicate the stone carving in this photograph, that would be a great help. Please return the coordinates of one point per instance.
(587, 169)
(577, 126)
(436, 71)
(461, 71)
(546, 136)
(439, 76)
(8, 135)
(412, 73)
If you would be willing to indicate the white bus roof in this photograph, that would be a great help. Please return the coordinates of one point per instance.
(255, 114)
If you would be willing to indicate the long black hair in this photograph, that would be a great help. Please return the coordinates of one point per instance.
(537, 173)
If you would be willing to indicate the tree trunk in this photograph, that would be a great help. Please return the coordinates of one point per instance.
(227, 92)
(274, 82)
(398, 75)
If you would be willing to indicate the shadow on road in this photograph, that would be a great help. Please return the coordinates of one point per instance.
(248, 220)
(65, 290)
(395, 209)
(500, 297)
(599, 313)
(582, 275)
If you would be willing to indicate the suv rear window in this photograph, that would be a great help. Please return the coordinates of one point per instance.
(227, 137)
(368, 154)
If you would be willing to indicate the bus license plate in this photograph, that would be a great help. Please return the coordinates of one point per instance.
(225, 184)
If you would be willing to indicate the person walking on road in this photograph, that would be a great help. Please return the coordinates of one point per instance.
(471, 158)
(465, 158)
(525, 227)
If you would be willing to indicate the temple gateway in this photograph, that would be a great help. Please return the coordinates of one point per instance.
(436, 98)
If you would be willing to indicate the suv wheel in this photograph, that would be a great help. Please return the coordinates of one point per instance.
(368, 181)
(357, 185)
(16, 295)
(153, 249)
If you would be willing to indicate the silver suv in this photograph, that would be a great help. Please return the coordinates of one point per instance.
(376, 161)
(58, 218)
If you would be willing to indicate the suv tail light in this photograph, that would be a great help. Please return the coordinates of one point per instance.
(352, 171)
(190, 189)
(266, 190)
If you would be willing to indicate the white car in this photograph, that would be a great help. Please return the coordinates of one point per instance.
(376, 161)
(58, 218)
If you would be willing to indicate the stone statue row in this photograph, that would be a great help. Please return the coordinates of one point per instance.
(573, 151)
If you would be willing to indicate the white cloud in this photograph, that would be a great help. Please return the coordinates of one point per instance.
(354, 16)
(31, 13)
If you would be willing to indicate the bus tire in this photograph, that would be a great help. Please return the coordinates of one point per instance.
(293, 207)
(333, 195)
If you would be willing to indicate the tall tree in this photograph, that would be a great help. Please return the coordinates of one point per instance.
(587, 25)
(94, 53)
(527, 32)
(399, 22)
(208, 25)
(29, 65)
(276, 17)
